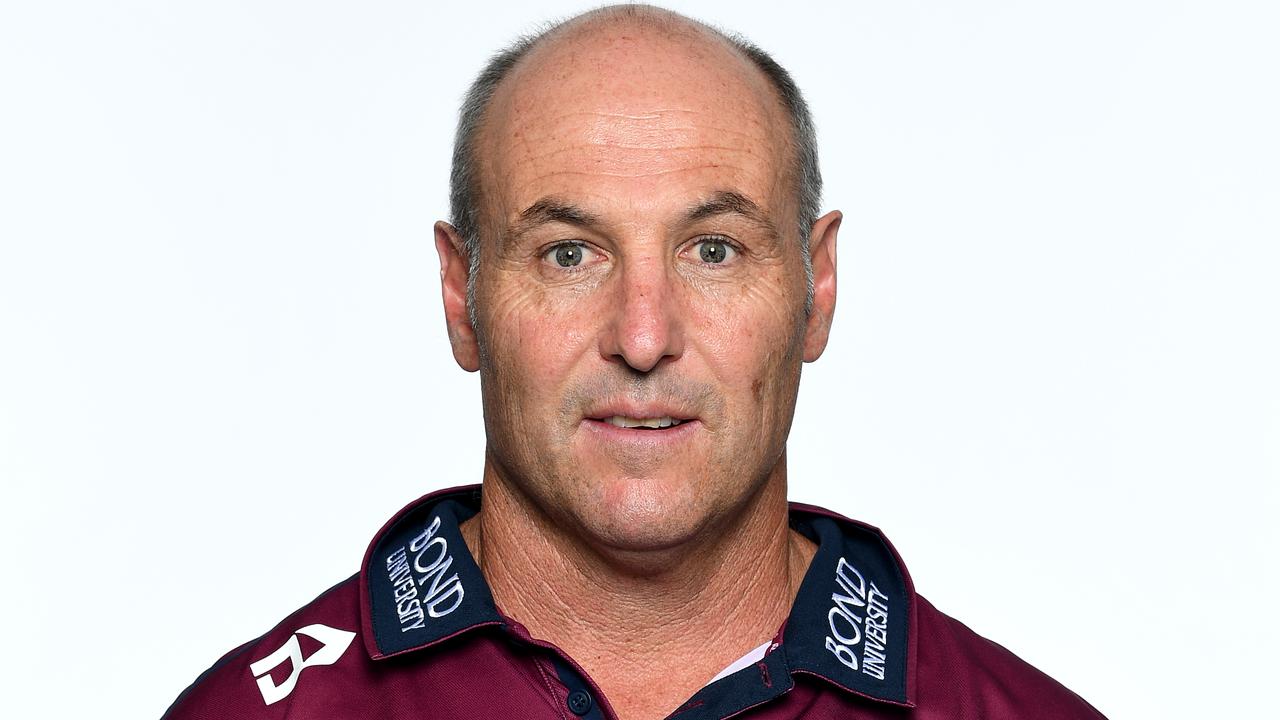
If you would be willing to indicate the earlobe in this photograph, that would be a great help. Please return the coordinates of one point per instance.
(454, 270)
(822, 250)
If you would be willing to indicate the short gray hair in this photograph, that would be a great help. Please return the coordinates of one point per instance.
(465, 199)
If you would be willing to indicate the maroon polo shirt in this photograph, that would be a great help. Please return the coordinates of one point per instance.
(416, 634)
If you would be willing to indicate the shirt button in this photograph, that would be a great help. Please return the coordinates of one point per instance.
(579, 702)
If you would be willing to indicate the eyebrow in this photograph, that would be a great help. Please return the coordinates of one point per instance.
(728, 202)
(553, 210)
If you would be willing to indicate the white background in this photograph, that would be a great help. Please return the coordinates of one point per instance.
(1052, 381)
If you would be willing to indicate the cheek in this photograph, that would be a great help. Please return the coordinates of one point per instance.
(748, 332)
(532, 339)
(753, 341)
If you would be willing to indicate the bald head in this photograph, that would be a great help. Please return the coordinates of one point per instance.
(628, 82)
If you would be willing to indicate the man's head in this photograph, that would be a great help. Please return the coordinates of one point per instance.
(635, 197)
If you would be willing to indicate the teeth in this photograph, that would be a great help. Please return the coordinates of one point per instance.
(653, 423)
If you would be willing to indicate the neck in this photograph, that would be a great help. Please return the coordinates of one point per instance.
(649, 631)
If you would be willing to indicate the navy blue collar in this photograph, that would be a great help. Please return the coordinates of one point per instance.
(852, 624)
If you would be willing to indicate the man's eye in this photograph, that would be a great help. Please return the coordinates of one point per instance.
(567, 254)
(714, 251)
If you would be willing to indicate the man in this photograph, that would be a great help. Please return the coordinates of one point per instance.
(637, 270)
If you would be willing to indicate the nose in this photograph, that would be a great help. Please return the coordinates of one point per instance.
(643, 325)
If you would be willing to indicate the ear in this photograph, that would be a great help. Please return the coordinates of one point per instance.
(822, 250)
(454, 269)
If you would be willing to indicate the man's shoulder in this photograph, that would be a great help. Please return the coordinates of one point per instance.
(325, 659)
(972, 676)
(253, 679)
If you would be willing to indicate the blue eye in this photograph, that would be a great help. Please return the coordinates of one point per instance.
(714, 251)
(566, 254)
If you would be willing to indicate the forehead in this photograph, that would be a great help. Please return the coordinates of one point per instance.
(633, 115)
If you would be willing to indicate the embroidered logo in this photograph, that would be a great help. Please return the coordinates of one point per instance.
(420, 579)
(333, 643)
(858, 620)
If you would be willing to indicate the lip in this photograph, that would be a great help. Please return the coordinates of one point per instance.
(609, 433)
(596, 416)
(605, 410)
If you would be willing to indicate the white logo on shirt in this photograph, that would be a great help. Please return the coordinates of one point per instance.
(420, 579)
(859, 614)
(333, 643)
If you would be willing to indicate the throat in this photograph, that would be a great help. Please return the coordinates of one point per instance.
(649, 628)
(648, 642)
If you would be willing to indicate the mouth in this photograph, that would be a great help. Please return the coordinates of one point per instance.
(647, 434)
(642, 423)
(621, 422)
(646, 423)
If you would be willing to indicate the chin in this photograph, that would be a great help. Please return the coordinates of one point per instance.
(645, 514)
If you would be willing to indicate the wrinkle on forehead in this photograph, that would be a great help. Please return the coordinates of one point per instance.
(653, 129)
(561, 123)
